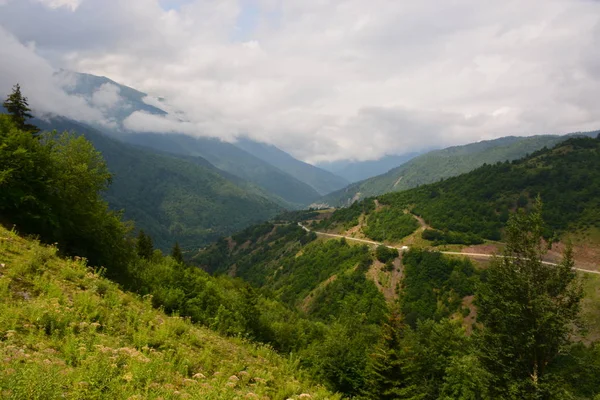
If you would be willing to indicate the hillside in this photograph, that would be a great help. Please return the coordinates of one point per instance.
(276, 172)
(229, 158)
(319, 179)
(66, 332)
(476, 205)
(174, 199)
(355, 171)
(441, 164)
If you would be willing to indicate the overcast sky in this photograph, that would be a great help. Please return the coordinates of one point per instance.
(323, 80)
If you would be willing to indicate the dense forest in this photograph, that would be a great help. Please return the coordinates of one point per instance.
(316, 302)
(477, 205)
(442, 164)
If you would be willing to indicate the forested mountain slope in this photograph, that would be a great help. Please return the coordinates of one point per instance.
(297, 183)
(355, 171)
(233, 160)
(440, 164)
(567, 177)
(321, 180)
(174, 199)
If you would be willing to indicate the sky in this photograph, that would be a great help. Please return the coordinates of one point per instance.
(324, 80)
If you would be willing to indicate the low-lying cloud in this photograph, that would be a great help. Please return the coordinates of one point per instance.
(323, 80)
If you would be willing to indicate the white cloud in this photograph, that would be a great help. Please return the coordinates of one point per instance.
(332, 79)
(107, 96)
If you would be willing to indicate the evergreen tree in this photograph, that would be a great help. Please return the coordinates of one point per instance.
(385, 369)
(18, 107)
(527, 310)
(176, 253)
(145, 248)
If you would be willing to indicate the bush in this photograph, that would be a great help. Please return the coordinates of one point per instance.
(386, 254)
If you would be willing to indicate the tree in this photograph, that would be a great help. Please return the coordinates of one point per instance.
(144, 245)
(176, 253)
(527, 310)
(18, 107)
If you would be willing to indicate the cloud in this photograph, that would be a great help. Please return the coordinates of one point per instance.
(107, 96)
(328, 80)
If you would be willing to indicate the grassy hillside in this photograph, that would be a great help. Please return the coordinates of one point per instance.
(441, 164)
(567, 178)
(174, 199)
(66, 332)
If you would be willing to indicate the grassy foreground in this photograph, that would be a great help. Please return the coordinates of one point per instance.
(66, 332)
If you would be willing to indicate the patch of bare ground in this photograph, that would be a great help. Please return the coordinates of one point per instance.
(398, 181)
(486, 248)
(378, 206)
(386, 281)
(586, 255)
(470, 320)
(231, 244)
(307, 302)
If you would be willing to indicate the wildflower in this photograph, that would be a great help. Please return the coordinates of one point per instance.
(234, 378)
(128, 377)
(305, 396)
(199, 375)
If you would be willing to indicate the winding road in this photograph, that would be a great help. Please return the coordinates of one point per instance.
(452, 253)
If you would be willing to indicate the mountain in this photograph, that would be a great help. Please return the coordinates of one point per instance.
(355, 171)
(68, 332)
(233, 160)
(296, 184)
(567, 177)
(321, 180)
(174, 199)
(441, 164)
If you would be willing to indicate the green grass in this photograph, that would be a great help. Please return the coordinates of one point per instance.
(66, 332)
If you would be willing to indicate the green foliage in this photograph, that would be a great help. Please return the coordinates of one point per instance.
(51, 187)
(440, 238)
(18, 107)
(66, 332)
(348, 217)
(349, 295)
(389, 224)
(479, 203)
(434, 285)
(144, 246)
(419, 363)
(386, 254)
(177, 254)
(442, 164)
(175, 199)
(540, 302)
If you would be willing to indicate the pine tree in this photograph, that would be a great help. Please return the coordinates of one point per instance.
(144, 247)
(176, 253)
(527, 310)
(18, 107)
(386, 365)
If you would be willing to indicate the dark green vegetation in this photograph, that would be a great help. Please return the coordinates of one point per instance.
(316, 300)
(235, 161)
(290, 182)
(478, 204)
(434, 286)
(389, 224)
(416, 347)
(441, 164)
(440, 237)
(174, 199)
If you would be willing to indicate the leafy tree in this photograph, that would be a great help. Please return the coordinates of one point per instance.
(527, 310)
(18, 107)
(385, 254)
(144, 245)
(176, 253)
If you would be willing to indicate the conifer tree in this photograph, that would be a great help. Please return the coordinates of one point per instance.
(527, 309)
(176, 253)
(18, 107)
(144, 247)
